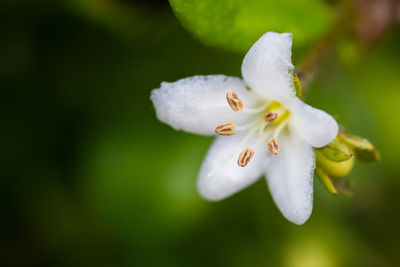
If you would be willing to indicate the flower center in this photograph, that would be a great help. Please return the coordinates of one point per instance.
(270, 119)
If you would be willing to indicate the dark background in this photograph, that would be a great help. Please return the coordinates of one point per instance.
(89, 177)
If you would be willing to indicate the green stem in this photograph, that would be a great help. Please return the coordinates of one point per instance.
(325, 45)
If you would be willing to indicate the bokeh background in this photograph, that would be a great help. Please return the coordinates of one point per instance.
(89, 177)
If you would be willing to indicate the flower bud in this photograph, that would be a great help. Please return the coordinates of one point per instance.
(363, 149)
(337, 151)
(332, 168)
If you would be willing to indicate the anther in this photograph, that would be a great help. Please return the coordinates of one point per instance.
(234, 101)
(273, 146)
(245, 157)
(226, 129)
(270, 116)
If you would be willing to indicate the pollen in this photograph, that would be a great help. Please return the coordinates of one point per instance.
(234, 101)
(273, 146)
(270, 116)
(245, 157)
(226, 129)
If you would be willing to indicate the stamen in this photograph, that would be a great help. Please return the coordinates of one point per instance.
(255, 110)
(263, 135)
(277, 108)
(248, 125)
(225, 129)
(270, 116)
(229, 157)
(273, 146)
(279, 129)
(234, 101)
(245, 157)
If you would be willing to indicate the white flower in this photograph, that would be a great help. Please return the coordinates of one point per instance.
(265, 129)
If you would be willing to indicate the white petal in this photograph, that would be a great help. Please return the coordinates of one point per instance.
(229, 178)
(290, 178)
(267, 67)
(315, 126)
(198, 104)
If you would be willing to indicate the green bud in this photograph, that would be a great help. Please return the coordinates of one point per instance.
(326, 181)
(337, 151)
(363, 149)
(332, 168)
(297, 85)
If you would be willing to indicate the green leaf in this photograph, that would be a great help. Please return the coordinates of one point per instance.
(237, 24)
(364, 149)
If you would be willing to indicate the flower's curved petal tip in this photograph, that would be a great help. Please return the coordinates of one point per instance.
(220, 176)
(267, 68)
(290, 179)
(276, 35)
(315, 126)
(283, 39)
(198, 104)
(297, 214)
(300, 218)
(207, 193)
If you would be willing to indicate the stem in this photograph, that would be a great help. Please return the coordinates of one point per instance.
(325, 45)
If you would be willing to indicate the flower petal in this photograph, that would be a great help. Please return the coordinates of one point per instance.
(198, 104)
(290, 178)
(229, 177)
(315, 126)
(267, 67)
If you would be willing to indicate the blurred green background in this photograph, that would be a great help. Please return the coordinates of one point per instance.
(91, 178)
